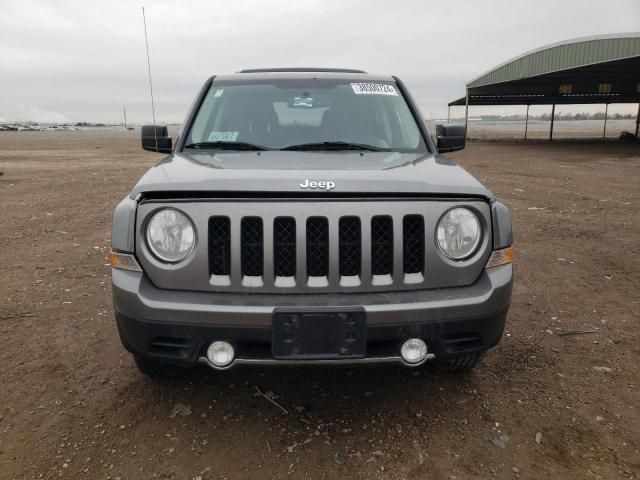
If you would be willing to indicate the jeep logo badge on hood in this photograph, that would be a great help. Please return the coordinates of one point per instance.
(322, 185)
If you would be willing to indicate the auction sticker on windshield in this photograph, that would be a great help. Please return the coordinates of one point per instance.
(223, 136)
(373, 89)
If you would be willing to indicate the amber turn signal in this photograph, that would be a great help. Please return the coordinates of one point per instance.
(500, 257)
(123, 261)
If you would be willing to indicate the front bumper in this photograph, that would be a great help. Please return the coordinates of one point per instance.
(177, 326)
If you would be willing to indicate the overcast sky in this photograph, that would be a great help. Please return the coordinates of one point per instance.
(84, 60)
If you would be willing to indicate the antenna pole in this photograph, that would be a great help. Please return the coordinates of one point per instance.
(124, 112)
(153, 108)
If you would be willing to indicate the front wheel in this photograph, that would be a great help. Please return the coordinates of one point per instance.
(462, 363)
(155, 369)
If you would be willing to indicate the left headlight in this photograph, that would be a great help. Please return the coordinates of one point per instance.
(459, 233)
(170, 235)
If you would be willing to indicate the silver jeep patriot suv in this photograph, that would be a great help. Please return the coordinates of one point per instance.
(306, 216)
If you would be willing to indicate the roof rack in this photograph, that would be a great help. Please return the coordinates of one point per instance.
(302, 70)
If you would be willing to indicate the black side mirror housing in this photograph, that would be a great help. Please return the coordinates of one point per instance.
(450, 138)
(155, 138)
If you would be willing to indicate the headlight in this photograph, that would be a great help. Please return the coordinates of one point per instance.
(459, 233)
(170, 235)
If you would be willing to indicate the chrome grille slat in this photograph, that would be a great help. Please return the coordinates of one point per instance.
(236, 257)
(398, 251)
(301, 252)
(365, 237)
(268, 265)
(334, 242)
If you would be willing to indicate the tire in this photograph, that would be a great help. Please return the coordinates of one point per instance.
(462, 363)
(155, 369)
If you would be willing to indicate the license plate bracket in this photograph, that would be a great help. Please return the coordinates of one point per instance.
(318, 333)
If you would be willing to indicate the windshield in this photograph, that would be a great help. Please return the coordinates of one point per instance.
(307, 114)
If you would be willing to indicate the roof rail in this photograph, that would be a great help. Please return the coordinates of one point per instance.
(302, 70)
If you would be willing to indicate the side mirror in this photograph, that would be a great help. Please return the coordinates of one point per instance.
(450, 137)
(155, 138)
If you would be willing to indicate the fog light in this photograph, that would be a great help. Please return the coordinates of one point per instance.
(414, 351)
(220, 354)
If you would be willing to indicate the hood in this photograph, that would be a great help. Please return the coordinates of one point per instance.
(283, 172)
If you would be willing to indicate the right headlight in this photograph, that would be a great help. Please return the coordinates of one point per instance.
(170, 235)
(459, 233)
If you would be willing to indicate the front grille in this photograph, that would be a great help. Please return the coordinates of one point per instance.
(350, 246)
(251, 241)
(220, 245)
(317, 247)
(317, 252)
(381, 245)
(284, 247)
(413, 243)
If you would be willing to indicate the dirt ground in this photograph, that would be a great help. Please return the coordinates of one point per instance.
(545, 404)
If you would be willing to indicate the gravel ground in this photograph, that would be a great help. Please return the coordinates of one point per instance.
(546, 403)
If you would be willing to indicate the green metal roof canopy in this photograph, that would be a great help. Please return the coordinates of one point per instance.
(598, 69)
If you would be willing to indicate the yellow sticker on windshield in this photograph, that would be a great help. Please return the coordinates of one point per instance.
(374, 89)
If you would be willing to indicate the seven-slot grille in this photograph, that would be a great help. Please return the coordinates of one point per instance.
(373, 251)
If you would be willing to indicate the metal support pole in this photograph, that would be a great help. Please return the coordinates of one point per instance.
(553, 116)
(449, 114)
(526, 123)
(466, 114)
(606, 112)
(638, 121)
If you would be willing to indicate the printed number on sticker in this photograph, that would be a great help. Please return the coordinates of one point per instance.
(373, 89)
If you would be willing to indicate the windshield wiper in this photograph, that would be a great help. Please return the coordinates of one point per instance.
(226, 146)
(335, 146)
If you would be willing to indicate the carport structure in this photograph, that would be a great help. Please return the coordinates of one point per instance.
(601, 69)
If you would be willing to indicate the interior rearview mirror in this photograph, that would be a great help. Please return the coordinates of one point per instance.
(450, 137)
(155, 138)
